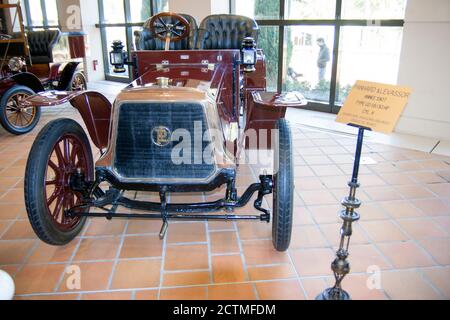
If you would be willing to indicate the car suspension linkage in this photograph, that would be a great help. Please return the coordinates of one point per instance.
(114, 198)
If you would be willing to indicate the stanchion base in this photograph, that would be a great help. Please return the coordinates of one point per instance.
(333, 294)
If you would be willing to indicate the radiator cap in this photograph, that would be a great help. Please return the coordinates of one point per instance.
(163, 82)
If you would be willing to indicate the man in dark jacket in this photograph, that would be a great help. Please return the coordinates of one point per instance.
(324, 57)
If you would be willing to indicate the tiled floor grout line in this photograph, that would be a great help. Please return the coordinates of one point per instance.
(241, 248)
(378, 250)
(27, 257)
(430, 283)
(67, 264)
(163, 260)
(291, 262)
(417, 243)
(323, 277)
(117, 257)
(209, 249)
(10, 224)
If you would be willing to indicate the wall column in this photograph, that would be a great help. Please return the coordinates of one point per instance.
(82, 15)
(425, 66)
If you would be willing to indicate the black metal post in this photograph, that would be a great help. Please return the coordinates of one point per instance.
(341, 265)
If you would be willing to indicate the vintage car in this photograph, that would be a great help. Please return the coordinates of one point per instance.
(32, 62)
(181, 126)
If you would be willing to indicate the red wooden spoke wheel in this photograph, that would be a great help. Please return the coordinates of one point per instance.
(60, 151)
(67, 157)
(15, 118)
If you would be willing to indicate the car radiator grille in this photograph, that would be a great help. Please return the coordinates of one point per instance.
(137, 154)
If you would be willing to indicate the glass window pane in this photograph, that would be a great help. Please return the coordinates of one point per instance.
(268, 41)
(258, 9)
(37, 18)
(367, 53)
(112, 34)
(10, 23)
(310, 9)
(52, 12)
(140, 10)
(373, 9)
(160, 6)
(113, 11)
(308, 56)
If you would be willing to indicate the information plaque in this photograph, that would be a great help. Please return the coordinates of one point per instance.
(374, 105)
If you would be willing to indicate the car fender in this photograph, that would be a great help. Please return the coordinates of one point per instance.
(66, 75)
(5, 85)
(29, 80)
(94, 108)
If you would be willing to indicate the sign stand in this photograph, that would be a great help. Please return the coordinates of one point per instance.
(341, 266)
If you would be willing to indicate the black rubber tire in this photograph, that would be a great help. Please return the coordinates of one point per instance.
(283, 194)
(82, 77)
(3, 118)
(35, 201)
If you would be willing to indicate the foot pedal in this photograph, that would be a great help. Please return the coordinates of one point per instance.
(163, 231)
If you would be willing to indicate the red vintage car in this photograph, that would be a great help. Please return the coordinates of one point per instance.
(32, 62)
(198, 104)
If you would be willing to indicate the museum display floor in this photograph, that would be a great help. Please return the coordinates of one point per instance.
(400, 249)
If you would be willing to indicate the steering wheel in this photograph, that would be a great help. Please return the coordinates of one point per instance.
(169, 27)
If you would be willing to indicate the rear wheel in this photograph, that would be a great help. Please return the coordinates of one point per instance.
(60, 149)
(14, 119)
(283, 193)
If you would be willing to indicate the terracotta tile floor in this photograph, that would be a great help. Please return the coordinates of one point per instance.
(403, 237)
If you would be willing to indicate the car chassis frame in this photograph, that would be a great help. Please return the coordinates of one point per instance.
(94, 197)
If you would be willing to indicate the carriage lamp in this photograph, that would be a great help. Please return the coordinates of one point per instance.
(248, 54)
(118, 57)
(16, 64)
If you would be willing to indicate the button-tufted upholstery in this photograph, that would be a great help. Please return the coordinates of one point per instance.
(41, 44)
(145, 40)
(226, 31)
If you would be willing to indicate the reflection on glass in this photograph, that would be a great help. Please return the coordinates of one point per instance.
(113, 11)
(308, 59)
(161, 6)
(140, 10)
(8, 16)
(112, 34)
(258, 9)
(367, 53)
(36, 12)
(310, 9)
(373, 9)
(52, 12)
(136, 31)
(268, 41)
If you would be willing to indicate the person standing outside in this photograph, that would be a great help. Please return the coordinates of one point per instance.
(323, 59)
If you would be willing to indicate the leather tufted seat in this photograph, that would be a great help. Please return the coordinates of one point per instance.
(226, 31)
(145, 40)
(41, 44)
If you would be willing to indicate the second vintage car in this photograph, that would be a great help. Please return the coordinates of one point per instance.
(181, 126)
(34, 61)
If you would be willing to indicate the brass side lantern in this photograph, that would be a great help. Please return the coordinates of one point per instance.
(248, 54)
(118, 57)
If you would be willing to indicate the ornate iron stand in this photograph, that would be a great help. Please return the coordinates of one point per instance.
(341, 265)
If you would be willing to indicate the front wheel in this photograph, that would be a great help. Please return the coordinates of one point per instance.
(283, 189)
(14, 119)
(79, 82)
(59, 151)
